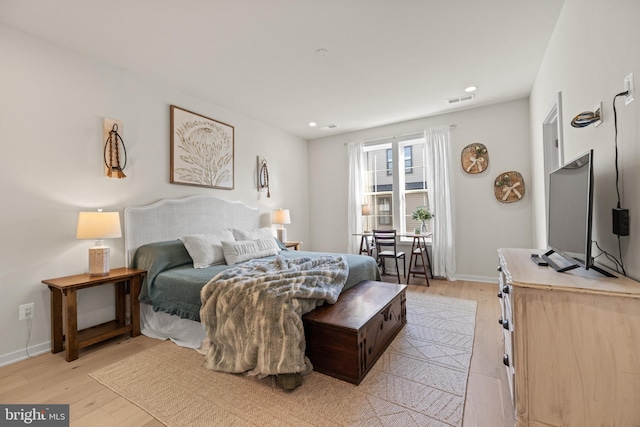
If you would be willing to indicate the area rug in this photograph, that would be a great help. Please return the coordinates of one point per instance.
(420, 380)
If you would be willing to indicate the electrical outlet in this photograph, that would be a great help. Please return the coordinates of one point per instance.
(628, 86)
(597, 109)
(27, 311)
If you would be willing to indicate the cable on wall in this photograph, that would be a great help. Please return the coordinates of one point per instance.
(610, 258)
(615, 125)
(26, 346)
(618, 206)
(586, 118)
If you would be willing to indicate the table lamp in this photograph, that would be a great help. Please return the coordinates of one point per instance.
(366, 211)
(97, 226)
(281, 216)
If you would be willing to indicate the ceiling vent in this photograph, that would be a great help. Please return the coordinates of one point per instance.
(462, 98)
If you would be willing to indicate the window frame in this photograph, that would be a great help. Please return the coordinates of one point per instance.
(408, 168)
(398, 148)
(386, 217)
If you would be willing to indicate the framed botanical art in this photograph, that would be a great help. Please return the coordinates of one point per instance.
(201, 150)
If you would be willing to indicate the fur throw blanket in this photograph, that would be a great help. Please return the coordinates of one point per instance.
(253, 312)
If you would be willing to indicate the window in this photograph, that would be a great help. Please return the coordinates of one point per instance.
(408, 160)
(392, 189)
(384, 211)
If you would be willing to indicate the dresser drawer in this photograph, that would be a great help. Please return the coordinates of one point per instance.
(507, 360)
(505, 291)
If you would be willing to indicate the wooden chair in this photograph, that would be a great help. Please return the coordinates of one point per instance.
(385, 241)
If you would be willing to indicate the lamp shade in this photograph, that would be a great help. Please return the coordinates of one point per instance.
(281, 216)
(98, 225)
(366, 210)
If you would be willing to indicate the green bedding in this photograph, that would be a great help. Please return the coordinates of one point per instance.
(173, 286)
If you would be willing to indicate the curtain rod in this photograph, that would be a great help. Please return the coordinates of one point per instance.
(451, 126)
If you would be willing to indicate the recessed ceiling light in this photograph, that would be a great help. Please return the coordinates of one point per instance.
(313, 124)
(471, 89)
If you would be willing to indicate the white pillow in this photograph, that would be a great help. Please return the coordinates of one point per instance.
(244, 250)
(258, 233)
(206, 249)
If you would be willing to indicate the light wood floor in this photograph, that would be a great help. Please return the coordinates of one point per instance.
(48, 378)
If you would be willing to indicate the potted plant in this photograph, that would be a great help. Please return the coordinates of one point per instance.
(422, 214)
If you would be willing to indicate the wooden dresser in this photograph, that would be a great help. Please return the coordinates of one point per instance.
(572, 344)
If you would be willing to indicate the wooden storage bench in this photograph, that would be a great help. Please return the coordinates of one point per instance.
(344, 340)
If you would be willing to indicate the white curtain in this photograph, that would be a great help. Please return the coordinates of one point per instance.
(439, 186)
(355, 153)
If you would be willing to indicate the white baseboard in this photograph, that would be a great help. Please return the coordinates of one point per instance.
(477, 278)
(17, 356)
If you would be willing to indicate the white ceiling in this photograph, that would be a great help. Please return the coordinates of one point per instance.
(387, 60)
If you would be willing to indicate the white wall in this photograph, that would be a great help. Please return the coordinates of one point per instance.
(482, 224)
(51, 110)
(593, 48)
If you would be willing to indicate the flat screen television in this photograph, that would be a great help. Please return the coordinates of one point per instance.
(571, 215)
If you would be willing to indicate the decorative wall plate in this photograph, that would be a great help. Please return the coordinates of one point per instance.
(509, 187)
(474, 158)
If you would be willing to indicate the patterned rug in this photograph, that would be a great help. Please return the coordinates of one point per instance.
(420, 380)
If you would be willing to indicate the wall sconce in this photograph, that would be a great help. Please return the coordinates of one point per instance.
(281, 216)
(263, 176)
(112, 143)
(98, 226)
(587, 118)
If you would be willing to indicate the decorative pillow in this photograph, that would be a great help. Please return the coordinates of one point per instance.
(258, 233)
(206, 249)
(244, 250)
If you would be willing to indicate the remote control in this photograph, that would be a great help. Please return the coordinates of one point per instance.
(541, 262)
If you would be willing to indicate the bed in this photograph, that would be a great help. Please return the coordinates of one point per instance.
(170, 295)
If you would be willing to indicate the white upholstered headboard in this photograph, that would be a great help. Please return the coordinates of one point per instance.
(170, 219)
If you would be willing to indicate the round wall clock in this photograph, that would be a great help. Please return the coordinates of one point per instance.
(474, 158)
(509, 187)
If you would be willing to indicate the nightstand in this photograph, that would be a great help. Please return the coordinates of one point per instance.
(293, 245)
(64, 307)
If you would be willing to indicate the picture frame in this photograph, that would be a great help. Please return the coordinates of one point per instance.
(202, 150)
